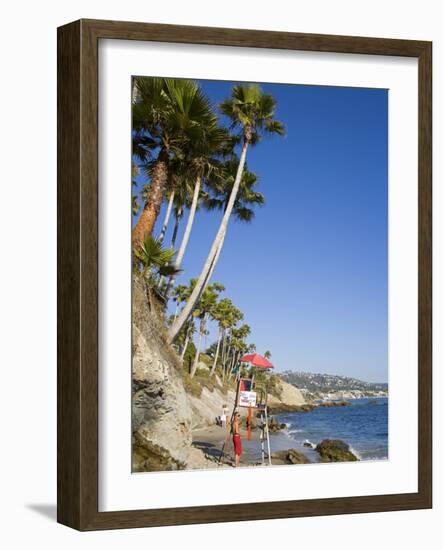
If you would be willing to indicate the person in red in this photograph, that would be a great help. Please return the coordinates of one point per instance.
(236, 438)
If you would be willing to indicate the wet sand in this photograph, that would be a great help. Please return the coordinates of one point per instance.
(216, 443)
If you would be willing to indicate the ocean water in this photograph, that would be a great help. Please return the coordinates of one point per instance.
(363, 425)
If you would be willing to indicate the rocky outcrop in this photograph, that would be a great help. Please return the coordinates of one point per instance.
(289, 398)
(291, 456)
(161, 414)
(283, 408)
(335, 450)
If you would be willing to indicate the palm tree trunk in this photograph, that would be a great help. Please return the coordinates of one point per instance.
(228, 352)
(178, 217)
(223, 346)
(185, 346)
(167, 216)
(176, 312)
(197, 351)
(191, 303)
(214, 364)
(189, 223)
(186, 234)
(234, 361)
(151, 210)
(211, 271)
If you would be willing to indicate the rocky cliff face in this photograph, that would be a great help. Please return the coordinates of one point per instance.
(290, 396)
(210, 405)
(162, 416)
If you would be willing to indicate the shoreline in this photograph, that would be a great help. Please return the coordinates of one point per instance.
(210, 442)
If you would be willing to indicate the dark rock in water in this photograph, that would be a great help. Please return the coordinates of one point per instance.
(291, 456)
(284, 408)
(274, 425)
(375, 402)
(308, 444)
(335, 450)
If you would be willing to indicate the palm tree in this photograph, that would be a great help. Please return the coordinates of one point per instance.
(183, 190)
(180, 294)
(252, 112)
(238, 344)
(153, 260)
(177, 192)
(166, 114)
(267, 355)
(226, 315)
(203, 312)
(247, 197)
(202, 163)
(189, 330)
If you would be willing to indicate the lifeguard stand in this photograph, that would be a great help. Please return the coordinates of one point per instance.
(252, 396)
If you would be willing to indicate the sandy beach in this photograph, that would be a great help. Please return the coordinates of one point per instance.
(213, 439)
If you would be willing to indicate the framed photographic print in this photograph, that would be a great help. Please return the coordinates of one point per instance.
(244, 275)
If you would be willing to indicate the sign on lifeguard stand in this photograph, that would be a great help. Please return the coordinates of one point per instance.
(246, 397)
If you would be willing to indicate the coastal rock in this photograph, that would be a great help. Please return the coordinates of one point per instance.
(147, 456)
(289, 397)
(161, 415)
(274, 425)
(209, 405)
(290, 456)
(285, 408)
(335, 450)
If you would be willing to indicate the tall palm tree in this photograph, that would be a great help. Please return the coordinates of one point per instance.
(252, 112)
(203, 312)
(202, 163)
(238, 345)
(167, 114)
(226, 315)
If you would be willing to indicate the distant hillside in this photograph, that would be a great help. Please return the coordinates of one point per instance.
(320, 386)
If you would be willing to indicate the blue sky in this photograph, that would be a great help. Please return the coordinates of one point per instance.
(310, 271)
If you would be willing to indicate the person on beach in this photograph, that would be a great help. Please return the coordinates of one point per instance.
(223, 416)
(236, 438)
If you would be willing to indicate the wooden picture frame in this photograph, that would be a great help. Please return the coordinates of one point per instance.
(78, 274)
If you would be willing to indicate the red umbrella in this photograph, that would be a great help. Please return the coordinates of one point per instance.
(257, 360)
